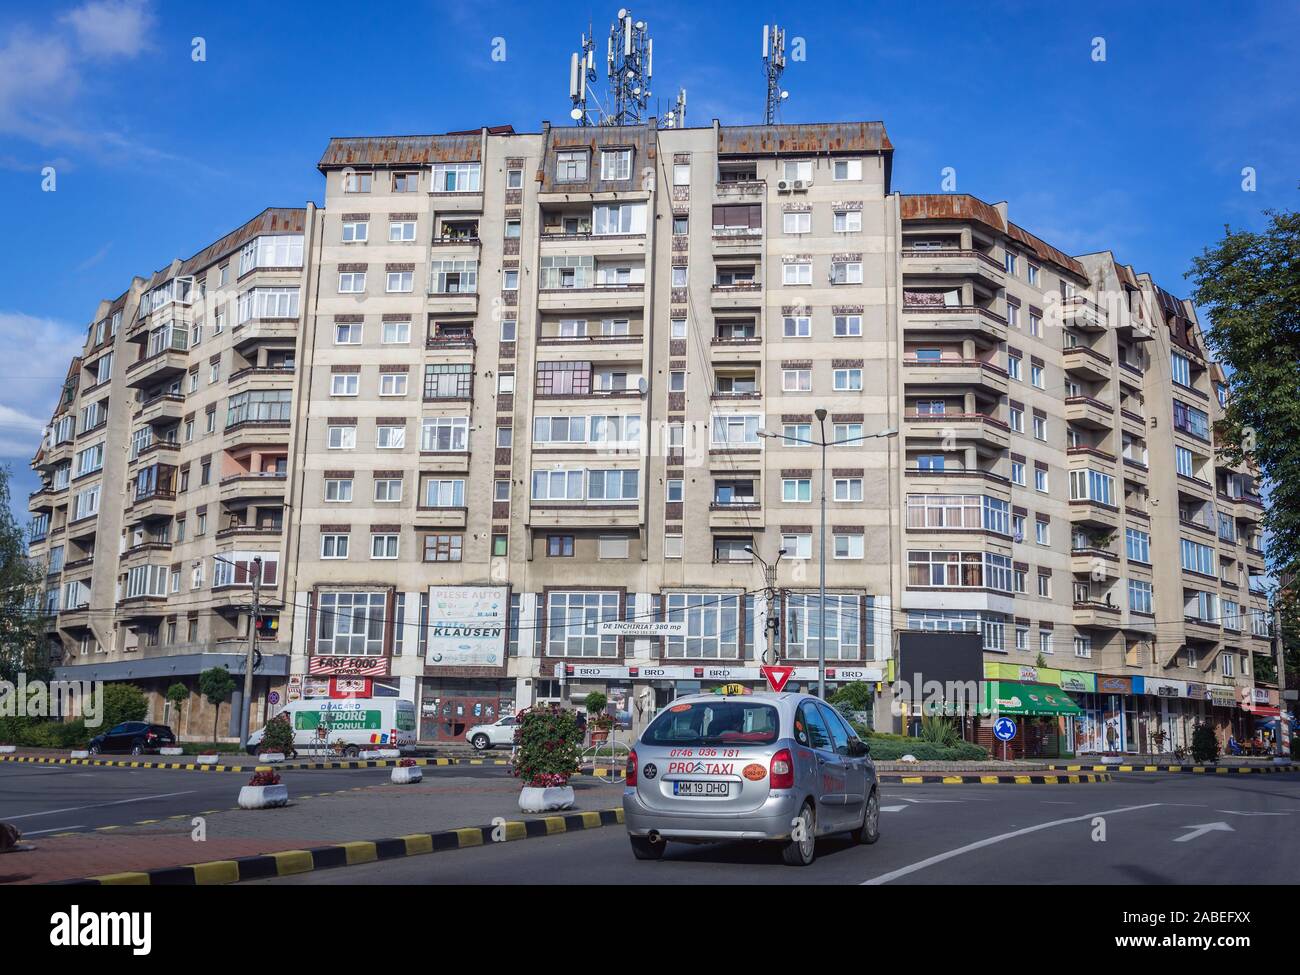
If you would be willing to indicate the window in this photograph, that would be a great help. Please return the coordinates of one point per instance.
(456, 178)
(735, 429)
(258, 406)
(848, 326)
(406, 182)
(673, 490)
(448, 381)
(352, 282)
(510, 279)
(341, 438)
(672, 546)
(1042, 532)
(334, 546)
(1180, 369)
(798, 169)
(712, 621)
(796, 380)
(514, 179)
(1040, 480)
(846, 432)
(843, 626)
(1018, 472)
(453, 277)
(682, 174)
(846, 272)
(798, 272)
(383, 546)
(355, 231)
(344, 384)
(1190, 420)
(444, 434)
(573, 624)
(1197, 557)
(449, 493)
(1044, 585)
(1036, 376)
(1016, 419)
(443, 548)
(392, 384)
(679, 276)
(1184, 462)
(848, 380)
(1013, 366)
(1137, 545)
(1010, 262)
(797, 546)
(796, 435)
(338, 489)
(962, 570)
(514, 229)
(796, 490)
(1089, 485)
(616, 164)
(1139, 596)
(796, 327)
(356, 182)
(1040, 427)
(350, 623)
(848, 489)
(796, 222)
(275, 251)
(848, 546)
(613, 485)
(848, 222)
(846, 169)
(571, 166)
(509, 328)
(347, 333)
(612, 547)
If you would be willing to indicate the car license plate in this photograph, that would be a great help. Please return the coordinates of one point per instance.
(701, 789)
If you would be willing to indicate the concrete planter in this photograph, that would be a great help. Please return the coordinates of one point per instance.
(79, 753)
(171, 751)
(407, 775)
(376, 753)
(8, 749)
(1112, 760)
(207, 759)
(534, 800)
(271, 757)
(263, 796)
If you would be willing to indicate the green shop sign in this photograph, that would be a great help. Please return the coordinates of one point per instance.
(339, 720)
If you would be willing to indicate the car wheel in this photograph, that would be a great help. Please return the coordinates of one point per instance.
(643, 848)
(481, 743)
(869, 831)
(801, 852)
(352, 751)
(137, 748)
(92, 749)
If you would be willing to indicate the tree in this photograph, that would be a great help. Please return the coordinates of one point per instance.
(857, 696)
(22, 616)
(216, 685)
(123, 702)
(177, 695)
(1249, 285)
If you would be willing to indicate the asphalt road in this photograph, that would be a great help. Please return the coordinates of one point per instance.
(44, 800)
(1157, 829)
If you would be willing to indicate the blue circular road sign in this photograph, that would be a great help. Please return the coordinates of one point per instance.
(1004, 729)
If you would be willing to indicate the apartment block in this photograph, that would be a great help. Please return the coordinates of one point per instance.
(538, 389)
(166, 470)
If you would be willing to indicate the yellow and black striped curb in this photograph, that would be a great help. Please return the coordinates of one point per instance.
(1076, 778)
(278, 766)
(1202, 769)
(289, 862)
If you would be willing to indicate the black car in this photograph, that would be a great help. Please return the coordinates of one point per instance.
(136, 737)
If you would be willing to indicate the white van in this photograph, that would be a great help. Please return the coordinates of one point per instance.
(357, 722)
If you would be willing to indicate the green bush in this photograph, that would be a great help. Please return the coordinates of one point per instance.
(547, 740)
(1205, 744)
(894, 748)
(278, 735)
(857, 696)
(595, 703)
(123, 702)
(44, 732)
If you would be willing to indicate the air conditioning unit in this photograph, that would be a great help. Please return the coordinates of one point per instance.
(802, 184)
(784, 185)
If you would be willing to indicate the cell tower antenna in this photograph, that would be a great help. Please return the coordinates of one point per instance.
(773, 67)
(582, 74)
(630, 63)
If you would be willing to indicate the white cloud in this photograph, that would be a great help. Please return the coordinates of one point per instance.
(111, 28)
(34, 357)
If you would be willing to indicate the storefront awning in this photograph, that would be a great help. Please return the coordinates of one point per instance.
(1007, 697)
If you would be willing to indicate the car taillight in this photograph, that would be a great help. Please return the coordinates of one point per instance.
(150, 735)
(782, 770)
(630, 777)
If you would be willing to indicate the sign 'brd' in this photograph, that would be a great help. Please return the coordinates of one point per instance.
(467, 626)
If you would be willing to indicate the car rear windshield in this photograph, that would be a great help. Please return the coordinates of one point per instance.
(723, 722)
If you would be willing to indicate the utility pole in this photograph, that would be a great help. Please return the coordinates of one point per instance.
(252, 652)
(1279, 655)
(772, 596)
(821, 570)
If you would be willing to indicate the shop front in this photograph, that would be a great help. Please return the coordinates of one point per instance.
(1039, 711)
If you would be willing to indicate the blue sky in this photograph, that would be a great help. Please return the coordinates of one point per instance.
(156, 155)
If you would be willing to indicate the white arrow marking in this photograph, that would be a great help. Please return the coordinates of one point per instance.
(892, 808)
(1238, 812)
(1202, 829)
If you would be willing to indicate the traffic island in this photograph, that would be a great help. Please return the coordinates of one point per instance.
(1190, 769)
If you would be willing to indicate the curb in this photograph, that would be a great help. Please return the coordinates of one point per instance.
(1185, 769)
(285, 766)
(1077, 778)
(285, 863)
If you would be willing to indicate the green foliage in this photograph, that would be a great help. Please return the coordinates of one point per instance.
(595, 703)
(123, 702)
(278, 735)
(44, 732)
(1249, 286)
(22, 585)
(1205, 745)
(177, 695)
(547, 742)
(217, 686)
(857, 696)
(939, 731)
(894, 748)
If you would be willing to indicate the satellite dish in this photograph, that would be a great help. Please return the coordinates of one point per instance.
(575, 114)
(642, 385)
(622, 12)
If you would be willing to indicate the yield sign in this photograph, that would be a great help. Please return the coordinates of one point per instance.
(776, 676)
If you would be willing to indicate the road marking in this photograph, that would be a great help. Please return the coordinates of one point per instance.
(892, 808)
(1238, 812)
(101, 805)
(1202, 829)
(61, 830)
(885, 878)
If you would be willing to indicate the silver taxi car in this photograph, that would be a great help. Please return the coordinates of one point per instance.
(777, 767)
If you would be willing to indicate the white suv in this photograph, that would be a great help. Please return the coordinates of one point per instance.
(485, 736)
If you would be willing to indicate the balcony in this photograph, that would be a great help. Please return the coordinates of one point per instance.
(1204, 631)
(954, 262)
(735, 515)
(41, 501)
(1079, 312)
(1087, 560)
(1089, 412)
(258, 330)
(1096, 615)
(250, 532)
(253, 487)
(163, 410)
(980, 429)
(959, 480)
(1086, 513)
(607, 348)
(615, 297)
(441, 517)
(738, 241)
(587, 244)
(740, 191)
(170, 361)
(546, 514)
(729, 297)
(140, 553)
(160, 503)
(453, 302)
(955, 372)
(954, 320)
(1086, 363)
(259, 377)
(256, 433)
(146, 607)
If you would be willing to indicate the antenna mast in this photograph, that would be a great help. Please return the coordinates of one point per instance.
(629, 66)
(773, 66)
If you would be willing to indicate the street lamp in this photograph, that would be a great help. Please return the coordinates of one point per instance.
(769, 576)
(821, 558)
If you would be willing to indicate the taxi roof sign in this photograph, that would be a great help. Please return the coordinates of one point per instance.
(731, 689)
